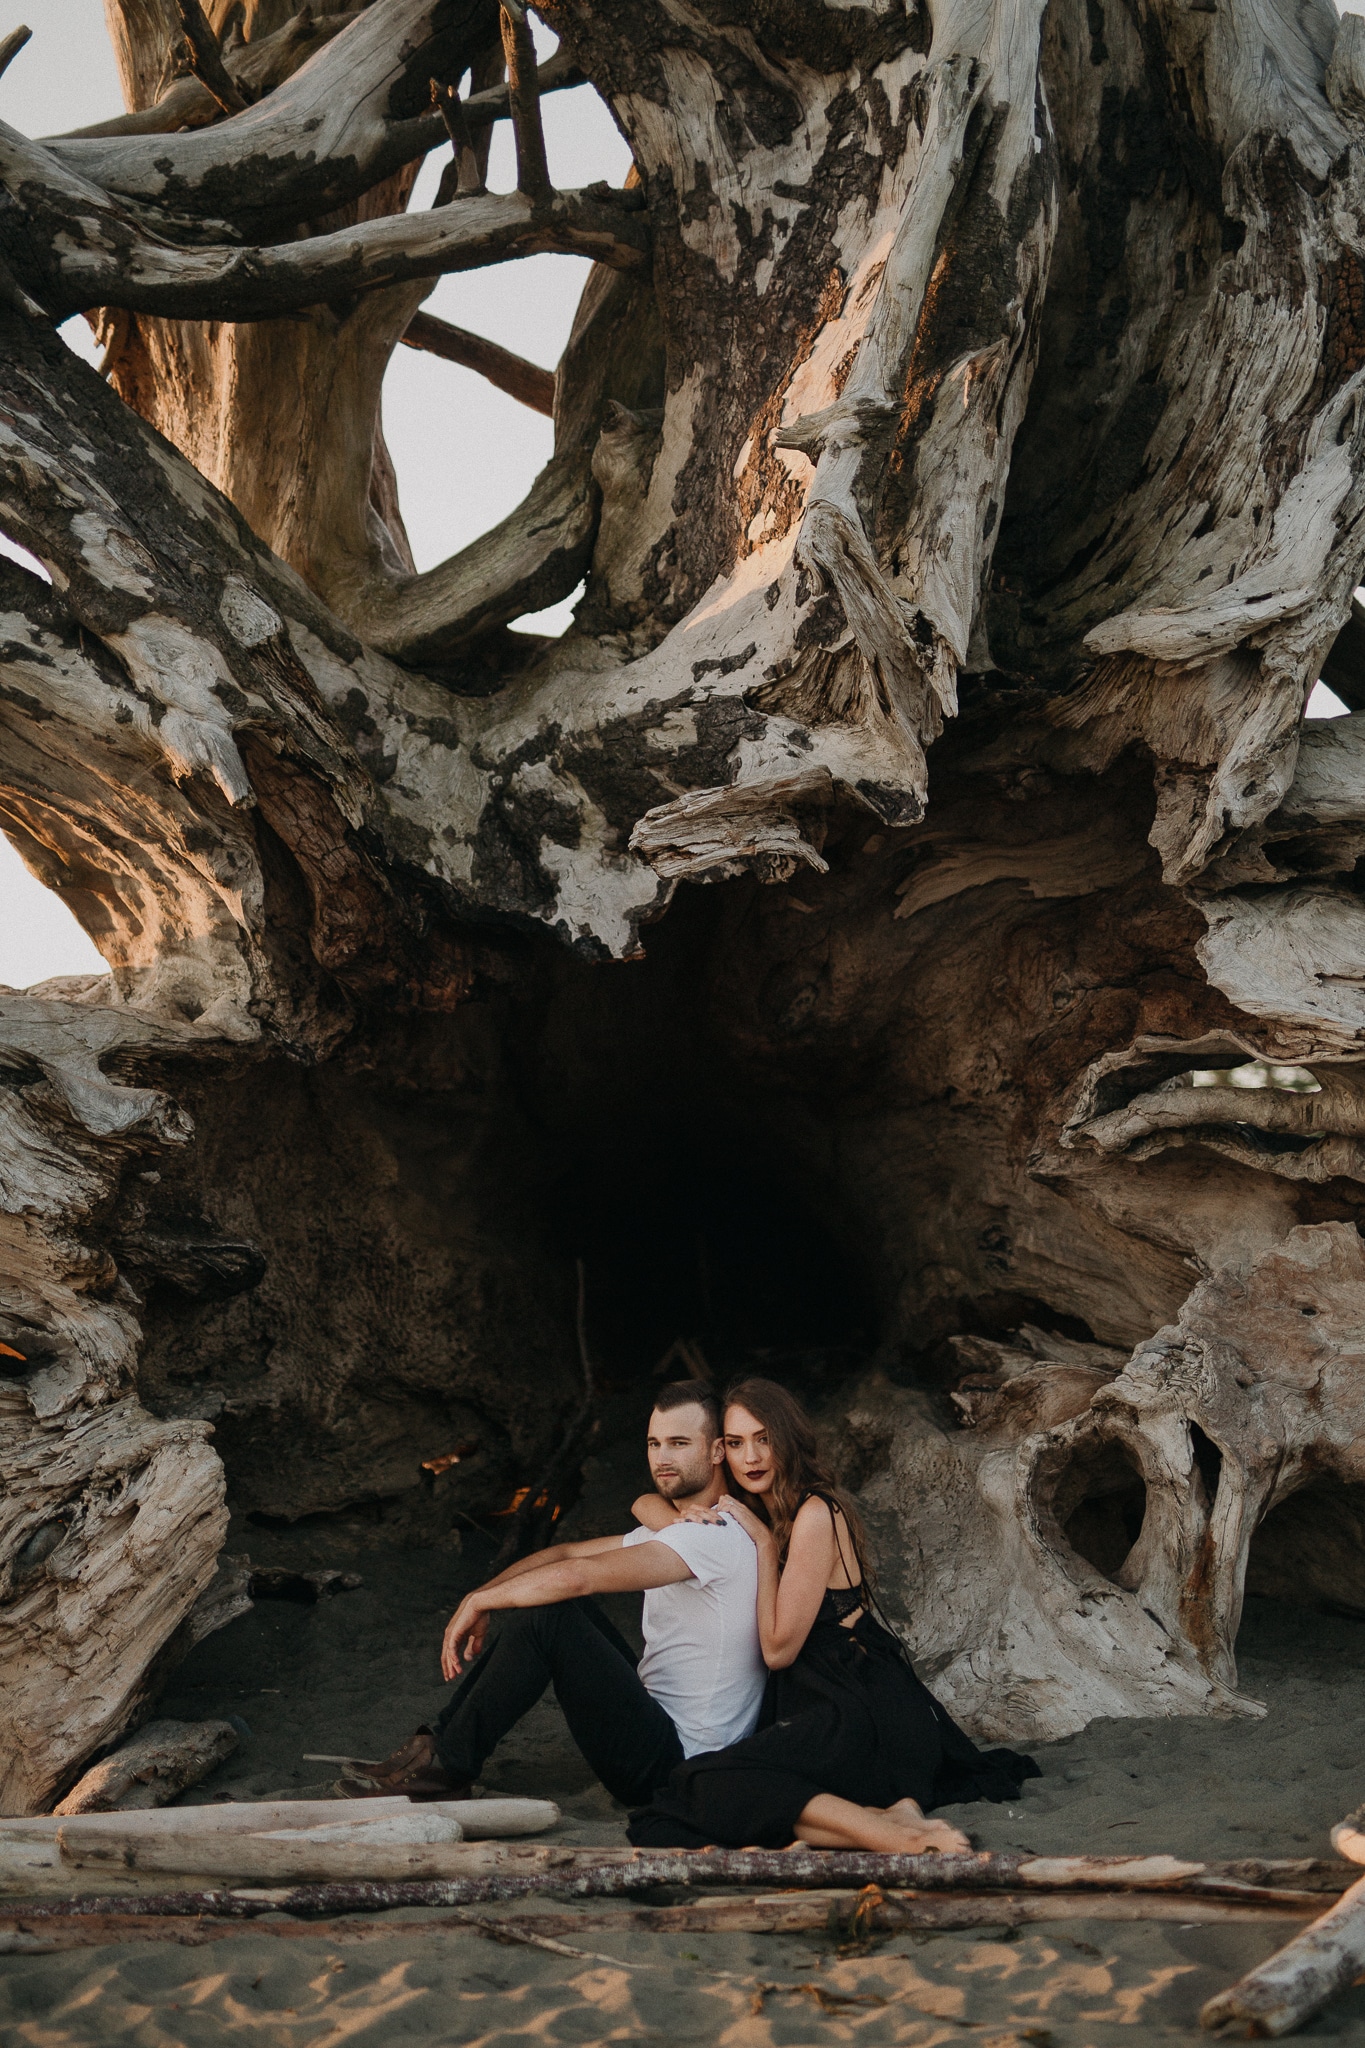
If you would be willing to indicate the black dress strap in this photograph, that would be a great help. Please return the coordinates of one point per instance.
(839, 1601)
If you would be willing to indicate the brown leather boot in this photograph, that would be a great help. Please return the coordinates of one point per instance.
(413, 1772)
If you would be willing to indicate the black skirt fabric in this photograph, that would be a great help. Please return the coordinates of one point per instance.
(849, 1716)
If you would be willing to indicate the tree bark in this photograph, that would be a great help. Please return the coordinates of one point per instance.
(961, 442)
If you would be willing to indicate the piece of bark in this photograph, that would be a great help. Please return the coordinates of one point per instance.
(161, 1760)
(1284, 1993)
(347, 1845)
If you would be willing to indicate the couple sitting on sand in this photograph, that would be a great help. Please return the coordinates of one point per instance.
(770, 1705)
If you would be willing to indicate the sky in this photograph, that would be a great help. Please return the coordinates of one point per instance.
(464, 453)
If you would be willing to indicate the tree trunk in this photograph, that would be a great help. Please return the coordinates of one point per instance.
(961, 438)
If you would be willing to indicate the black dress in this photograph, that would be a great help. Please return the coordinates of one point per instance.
(848, 1716)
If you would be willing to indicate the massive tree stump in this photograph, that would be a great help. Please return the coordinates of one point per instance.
(961, 440)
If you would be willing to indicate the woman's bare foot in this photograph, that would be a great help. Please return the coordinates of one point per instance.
(900, 1830)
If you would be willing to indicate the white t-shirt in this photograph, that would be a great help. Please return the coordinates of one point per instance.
(702, 1660)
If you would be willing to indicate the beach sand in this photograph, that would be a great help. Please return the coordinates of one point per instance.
(354, 1674)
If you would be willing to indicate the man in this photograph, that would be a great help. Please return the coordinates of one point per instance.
(699, 1684)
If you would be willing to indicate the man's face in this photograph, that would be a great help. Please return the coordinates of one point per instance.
(682, 1451)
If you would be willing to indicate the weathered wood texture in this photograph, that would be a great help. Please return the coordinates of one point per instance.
(148, 1770)
(272, 1841)
(1288, 1990)
(479, 1873)
(110, 1521)
(960, 440)
(821, 1912)
(1283, 1994)
(1262, 1365)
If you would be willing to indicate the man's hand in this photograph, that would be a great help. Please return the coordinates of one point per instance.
(465, 1636)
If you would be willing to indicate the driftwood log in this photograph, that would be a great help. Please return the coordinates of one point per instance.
(961, 445)
(519, 1871)
(162, 1759)
(841, 1913)
(1285, 1992)
(276, 1841)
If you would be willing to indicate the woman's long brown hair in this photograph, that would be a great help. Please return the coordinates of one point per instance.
(799, 1467)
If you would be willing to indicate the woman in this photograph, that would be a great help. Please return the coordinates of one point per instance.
(850, 1748)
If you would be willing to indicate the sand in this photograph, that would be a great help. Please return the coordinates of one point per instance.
(356, 1673)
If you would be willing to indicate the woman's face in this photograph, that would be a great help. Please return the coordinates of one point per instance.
(747, 1450)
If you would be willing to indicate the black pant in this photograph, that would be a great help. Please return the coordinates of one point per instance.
(625, 1735)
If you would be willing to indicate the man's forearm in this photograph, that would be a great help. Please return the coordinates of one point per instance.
(539, 1583)
(532, 1563)
(609, 1567)
(557, 1553)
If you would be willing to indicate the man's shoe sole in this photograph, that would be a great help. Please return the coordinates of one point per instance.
(357, 1788)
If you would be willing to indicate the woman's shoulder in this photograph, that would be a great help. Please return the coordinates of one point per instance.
(816, 1509)
(816, 1502)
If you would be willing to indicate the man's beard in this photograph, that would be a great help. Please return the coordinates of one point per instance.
(690, 1479)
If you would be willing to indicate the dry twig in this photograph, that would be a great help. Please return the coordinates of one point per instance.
(524, 381)
(523, 89)
(11, 45)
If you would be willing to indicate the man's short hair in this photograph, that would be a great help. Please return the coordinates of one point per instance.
(691, 1394)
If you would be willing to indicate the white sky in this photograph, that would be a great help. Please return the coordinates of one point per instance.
(465, 454)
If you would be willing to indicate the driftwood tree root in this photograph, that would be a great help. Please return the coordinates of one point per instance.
(900, 441)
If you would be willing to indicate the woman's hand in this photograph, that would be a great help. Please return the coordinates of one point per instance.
(712, 1516)
(727, 1509)
(464, 1637)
